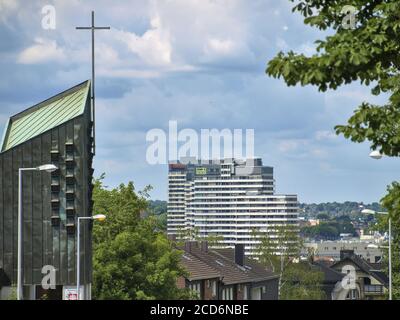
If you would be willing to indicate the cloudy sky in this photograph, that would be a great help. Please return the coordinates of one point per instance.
(201, 63)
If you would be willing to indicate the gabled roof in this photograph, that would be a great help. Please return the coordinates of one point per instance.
(45, 116)
(330, 275)
(197, 269)
(366, 267)
(223, 263)
(252, 271)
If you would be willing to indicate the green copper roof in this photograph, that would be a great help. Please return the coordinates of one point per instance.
(46, 115)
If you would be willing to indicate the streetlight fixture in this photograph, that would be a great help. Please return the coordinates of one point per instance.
(369, 211)
(47, 168)
(376, 155)
(98, 217)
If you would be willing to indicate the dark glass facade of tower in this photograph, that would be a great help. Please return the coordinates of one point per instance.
(57, 131)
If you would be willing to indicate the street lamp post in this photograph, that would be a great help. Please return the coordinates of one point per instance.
(377, 155)
(47, 168)
(368, 211)
(99, 217)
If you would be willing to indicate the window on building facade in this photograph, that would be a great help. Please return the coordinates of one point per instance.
(352, 295)
(196, 288)
(214, 288)
(245, 297)
(227, 293)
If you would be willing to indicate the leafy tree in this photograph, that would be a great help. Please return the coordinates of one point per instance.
(323, 216)
(132, 258)
(343, 219)
(368, 53)
(162, 221)
(158, 206)
(392, 202)
(279, 251)
(329, 230)
(185, 234)
(302, 282)
(278, 247)
(192, 234)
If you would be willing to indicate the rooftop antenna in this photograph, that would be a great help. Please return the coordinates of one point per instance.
(93, 28)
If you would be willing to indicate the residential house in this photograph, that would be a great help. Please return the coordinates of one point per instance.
(225, 274)
(371, 282)
(352, 278)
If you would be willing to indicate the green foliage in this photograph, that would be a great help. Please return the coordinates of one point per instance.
(392, 203)
(132, 258)
(302, 282)
(13, 295)
(368, 54)
(281, 254)
(348, 208)
(158, 208)
(162, 221)
(329, 229)
(279, 246)
(192, 234)
(323, 216)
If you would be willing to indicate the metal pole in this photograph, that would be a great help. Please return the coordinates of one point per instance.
(390, 259)
(93, 28)
(19, 268)
(93, 88)
(78, 260)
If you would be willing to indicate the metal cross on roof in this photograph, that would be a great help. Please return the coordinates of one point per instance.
(93, 28)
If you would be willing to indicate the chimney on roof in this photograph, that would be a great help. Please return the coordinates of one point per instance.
(172, 237)
(189, 245)
(204, 246)
(239, 254)
(346, 253)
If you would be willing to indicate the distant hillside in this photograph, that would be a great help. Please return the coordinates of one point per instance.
(310, 209)
(158, 206)
(336, 208)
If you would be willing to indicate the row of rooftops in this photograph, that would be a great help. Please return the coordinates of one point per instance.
(231, 266)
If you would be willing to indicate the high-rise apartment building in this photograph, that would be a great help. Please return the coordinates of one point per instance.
(229, 199)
